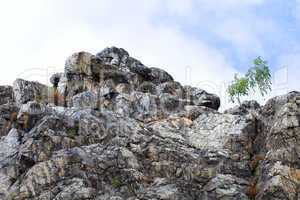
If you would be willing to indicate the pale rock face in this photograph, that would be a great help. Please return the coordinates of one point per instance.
(79, 63)
(128, 132)
(25, 91)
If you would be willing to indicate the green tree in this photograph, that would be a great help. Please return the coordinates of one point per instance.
(258, 77)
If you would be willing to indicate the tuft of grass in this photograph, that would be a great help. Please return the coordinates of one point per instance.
(116, 182)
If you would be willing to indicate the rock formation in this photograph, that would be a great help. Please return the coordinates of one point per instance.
(111, 128)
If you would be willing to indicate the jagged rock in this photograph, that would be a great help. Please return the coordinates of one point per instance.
(202, 98)
(226, 187)
(80, 64)
(85, 100)
(147, 87)
(30, 113)
(114, 56)
(8, 117)
(25, 91)
(121, 58)
(158, 76)
(7, 95)
(245, 108)
(124, 88)
(278, 142)
(122, 131)
(9, 148)
(170, 103)
(173, 88)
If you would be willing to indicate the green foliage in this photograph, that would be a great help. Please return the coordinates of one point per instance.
(239, 87)
(116, 182)
(257, 77)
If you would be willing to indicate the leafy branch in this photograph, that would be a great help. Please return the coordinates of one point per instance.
(257, 77)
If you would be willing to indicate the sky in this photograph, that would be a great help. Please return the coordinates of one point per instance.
(199, 42)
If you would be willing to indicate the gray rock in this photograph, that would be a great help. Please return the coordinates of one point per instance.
(8, 118)
(226, 187)
(126, 131)
(119, 57)
(85, 100)
(202, 98)
(79, 63)
(25, 91)
(8, 161)
(245, 108)
(278, 142)
(158, 76)
(147, 87)
(173, 88)
(7, 95)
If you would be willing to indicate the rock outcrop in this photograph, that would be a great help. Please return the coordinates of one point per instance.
(111, 128)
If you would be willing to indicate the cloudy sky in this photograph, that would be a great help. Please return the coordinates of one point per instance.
(200, 42)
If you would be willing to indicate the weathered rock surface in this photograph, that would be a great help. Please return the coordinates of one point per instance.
(6, 94)
(113, 129)
(25, 91)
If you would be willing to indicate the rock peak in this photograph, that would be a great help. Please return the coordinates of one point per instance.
(111, 128)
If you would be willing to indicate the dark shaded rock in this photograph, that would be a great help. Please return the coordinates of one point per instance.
(202, 98)
(119, 57)
(158, 76)
(245, 108)
(173, 88)
(6, 94)
(147, 87)
(8, 118)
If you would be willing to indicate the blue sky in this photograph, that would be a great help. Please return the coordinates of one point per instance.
(200, 42)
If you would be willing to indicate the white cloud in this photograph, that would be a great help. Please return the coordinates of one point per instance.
(62, 27)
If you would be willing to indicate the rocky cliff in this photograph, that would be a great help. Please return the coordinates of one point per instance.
(111, 128)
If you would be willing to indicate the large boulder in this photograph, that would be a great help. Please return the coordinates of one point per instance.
(158, 76)
(200, 97)
(279, 146)
(25, 91)
(120, 58)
